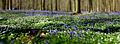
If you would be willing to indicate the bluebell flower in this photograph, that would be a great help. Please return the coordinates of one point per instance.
(109, 22)
(75, 27)
(108, 31)
(53, 32)
(33, 31)
(46, 42)
(92, 18)
(85, 17)
(91, 28)
(12, 41)
(65, 25)
(115, 13)
(68, 26)
(1, 42)
(72, 33)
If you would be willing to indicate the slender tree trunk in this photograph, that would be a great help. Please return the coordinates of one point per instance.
(51, 5)
(10, 4)
(36, 4)
(43, 4)
(90, 5)
(33, 4)
(70, 7)
(40, 4)
(3, 4)
(114, 5)
(78, 6)
(56, 4)
(7, 4)
(74, 6)
(20, 3)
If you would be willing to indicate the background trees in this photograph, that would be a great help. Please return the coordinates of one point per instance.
(62, 5)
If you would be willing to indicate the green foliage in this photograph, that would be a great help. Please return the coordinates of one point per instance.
(91, 29)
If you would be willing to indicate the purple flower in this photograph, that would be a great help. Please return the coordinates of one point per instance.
(53, 32)
(91, 28)
(72, 33)
(46, 42)
(116, 13)
(85, 17)
(33, 31)
(75, 27)
(108, 31)
(92, 18)
(109, 22)
(12, 41)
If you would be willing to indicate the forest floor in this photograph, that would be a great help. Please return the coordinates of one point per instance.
(49, 28)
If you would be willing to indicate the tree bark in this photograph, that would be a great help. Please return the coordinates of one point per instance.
(90, 5)
(56, 5)
(3, 4)
(70, 7)
(78, 6)
(43, 4)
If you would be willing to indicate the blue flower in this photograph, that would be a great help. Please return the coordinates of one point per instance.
(116, 13)
(85, 17)
(33, 31)
(46, 42)
(109, 22)
(72, 33)
(12, 41)
(108, 31)
(91, 28)
(92, 18)
(65, 25)
(75, 27)
(53, 32)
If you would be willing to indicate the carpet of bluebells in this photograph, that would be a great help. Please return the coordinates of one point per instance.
(94, 28)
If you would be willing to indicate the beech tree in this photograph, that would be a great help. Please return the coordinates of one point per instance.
(3, 4)
(78, 6)
(90, 5)
(56, 5)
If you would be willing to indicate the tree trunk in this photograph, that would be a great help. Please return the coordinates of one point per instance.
(56, 5)
(10, 4)
(43, 4)
(70, 3)
(3, 4)
(78, 6)
(90, 5)
(33, 4)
